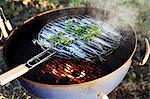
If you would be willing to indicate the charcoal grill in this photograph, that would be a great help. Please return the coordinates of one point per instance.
(99, 76)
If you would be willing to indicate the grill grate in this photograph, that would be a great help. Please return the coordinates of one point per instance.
(100, 45)
(27, 49)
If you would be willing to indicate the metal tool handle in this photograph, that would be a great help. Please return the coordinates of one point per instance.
(41, 57)
(13, 74)
(147, 53)
(22, 69)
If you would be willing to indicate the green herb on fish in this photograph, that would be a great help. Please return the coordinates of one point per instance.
(60, 33)
(68, 28)
(59, 40)
(85, 32)
(87, 37)
(50, 36)
(80, 30)
(66, 40)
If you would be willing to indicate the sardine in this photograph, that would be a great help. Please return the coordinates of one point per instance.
(77, 53)
(83, 46)
(96, 46)
(98, 40)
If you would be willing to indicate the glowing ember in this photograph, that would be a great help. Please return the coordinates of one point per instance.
(64, 71)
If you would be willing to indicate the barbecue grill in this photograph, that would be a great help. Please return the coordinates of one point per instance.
(70, 79)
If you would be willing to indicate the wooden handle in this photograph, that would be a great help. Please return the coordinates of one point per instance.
(2, 27)
(13, 74)
(8, 25)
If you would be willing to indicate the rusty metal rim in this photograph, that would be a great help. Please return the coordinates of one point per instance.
(46, 85)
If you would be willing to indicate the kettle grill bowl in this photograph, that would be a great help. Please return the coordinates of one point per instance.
(19, 47)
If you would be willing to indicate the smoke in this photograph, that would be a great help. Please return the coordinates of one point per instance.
(120, 15)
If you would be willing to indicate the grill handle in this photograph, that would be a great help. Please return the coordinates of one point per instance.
(147, 53)
(13, 74)
(102, 95)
